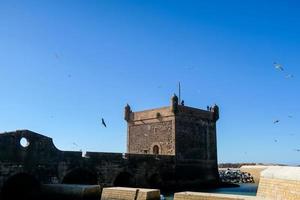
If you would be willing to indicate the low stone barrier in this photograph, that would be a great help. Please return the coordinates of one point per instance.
(70, 192)
(280, 183)
(276, 183)
(123, 193)
(210, 196)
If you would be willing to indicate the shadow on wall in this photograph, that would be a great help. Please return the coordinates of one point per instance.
(155, 181)
(21, 186)
(124, 179)
(80, 176)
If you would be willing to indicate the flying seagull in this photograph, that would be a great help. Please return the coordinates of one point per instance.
(57, 56)
(289, 76)
(75, 144)
(190, 67)
(103, 122)
(276, 121)
(278, 66)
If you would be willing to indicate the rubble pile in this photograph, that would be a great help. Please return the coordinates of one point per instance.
(235, 176)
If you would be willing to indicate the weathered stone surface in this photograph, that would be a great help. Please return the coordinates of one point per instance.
(123, 193)
(70, 192)
(189, 134)
(47, 164)
(210, 196)
(280, 183)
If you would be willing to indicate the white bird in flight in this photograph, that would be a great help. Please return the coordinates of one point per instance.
(278, 66)
(289, 76)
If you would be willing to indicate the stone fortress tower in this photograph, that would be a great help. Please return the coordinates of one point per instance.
(185, 132)
(172, 147)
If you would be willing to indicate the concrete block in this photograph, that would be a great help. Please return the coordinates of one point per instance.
(125, 193)
(210, 196)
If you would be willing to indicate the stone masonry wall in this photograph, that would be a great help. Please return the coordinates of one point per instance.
(149, 128)
(279, 189)
(188, 133)
(47, 164)
(143, 138)
(280, 183)
(195, 136)
(123, 193)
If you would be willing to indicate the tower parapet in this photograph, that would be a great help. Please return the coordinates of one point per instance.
(215, 110)
(127, 112)
(174, 104)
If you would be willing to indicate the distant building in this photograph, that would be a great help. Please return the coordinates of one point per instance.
(186, 132)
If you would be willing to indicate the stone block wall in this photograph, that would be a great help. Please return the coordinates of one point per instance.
(210, 196)
(145, 136)
(280, 183)
(123, 193)
(150, 128)
(188, 133)
(195, 137)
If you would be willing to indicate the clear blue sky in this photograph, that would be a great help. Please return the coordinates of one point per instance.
(66, 64)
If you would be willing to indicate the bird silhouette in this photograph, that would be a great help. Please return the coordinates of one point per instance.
(278, 66)
(276, 121)
(103, 122)
(57, 56)
(75, 144)
(298, 150)
(289, 76)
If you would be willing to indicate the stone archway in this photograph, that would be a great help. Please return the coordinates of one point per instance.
(155, 180)
(156, 148)
(80, 176)
(21, 186)
(124, 179)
